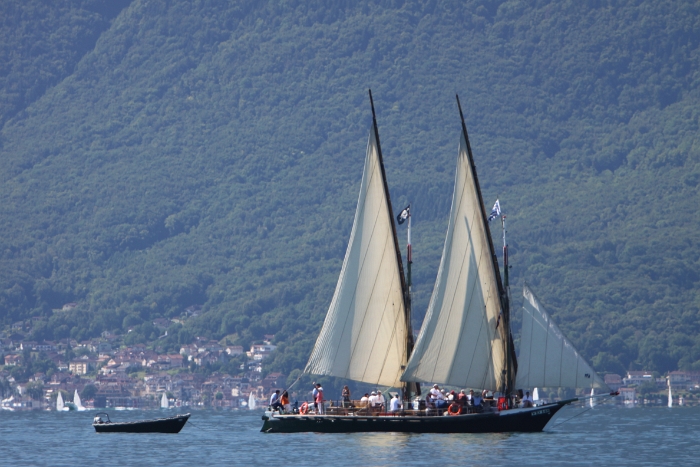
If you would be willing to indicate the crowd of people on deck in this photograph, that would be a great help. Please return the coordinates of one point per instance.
(436, 398)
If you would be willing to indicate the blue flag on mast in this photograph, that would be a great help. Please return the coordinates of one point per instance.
(495, 212)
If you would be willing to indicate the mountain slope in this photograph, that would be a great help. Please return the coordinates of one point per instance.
(210, 154)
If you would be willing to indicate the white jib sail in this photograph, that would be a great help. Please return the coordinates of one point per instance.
(363, 337)
(459, 343)
(59, 402)
(547, 358)
(164, 403)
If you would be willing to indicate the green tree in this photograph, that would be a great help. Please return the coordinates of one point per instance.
(35, 390)
(88, 392)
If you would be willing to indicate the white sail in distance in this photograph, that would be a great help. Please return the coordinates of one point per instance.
(164, 403)
(59, 402)
(547, 358)
(251, 401)
(364, 335)
(77, 402)
(462, 339)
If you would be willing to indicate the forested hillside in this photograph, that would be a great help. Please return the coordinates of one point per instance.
(156, 155)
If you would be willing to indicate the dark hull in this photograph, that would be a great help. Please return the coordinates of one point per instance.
(161, 425)
(518, 420)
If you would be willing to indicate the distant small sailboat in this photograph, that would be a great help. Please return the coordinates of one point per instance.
(535, 396)
(76, 400)
(670, 395)
(60, 406)
(680, 401)
(164, 403)
(251, 402)
(591, 401)
(7, 404)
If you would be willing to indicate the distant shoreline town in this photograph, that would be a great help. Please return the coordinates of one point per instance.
(107, 374)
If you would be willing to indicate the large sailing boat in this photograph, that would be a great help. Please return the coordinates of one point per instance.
(465, 340)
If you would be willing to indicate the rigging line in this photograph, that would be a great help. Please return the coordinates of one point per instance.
(568, 419)
(295, 382)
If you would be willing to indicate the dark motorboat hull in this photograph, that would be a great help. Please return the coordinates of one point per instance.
(517, 420)
(161, 425)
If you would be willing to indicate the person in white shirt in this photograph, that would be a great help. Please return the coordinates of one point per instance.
(373, 399)
(275, 400)
(381, 402)
(364, 402)
(395, 404)
(527, 400)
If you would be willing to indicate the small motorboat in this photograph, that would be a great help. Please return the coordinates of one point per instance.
(103, 424)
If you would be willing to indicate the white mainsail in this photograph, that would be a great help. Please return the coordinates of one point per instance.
(164, 403)
(364, 335)
(251, 401)
(461, 342)
(77, 402)
(59, 402)
(535, 395)
(547, 358)
(591, 401)
(670, 395)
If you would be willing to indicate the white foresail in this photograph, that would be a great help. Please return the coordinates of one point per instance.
(461, 341)
(547, 358)
(364, 335)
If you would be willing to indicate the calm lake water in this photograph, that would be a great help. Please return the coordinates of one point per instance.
(602, 436)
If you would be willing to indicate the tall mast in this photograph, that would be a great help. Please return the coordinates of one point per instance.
(507, 378)
(404, 288)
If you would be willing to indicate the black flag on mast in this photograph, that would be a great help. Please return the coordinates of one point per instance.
(403, 215)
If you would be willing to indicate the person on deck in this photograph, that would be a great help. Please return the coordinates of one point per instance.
(476, 400)
(395, 404)
(345, 396)
(320, 409)
(461, 398)
(314, 394)
(284, 400)
(381, 401)
(527, 400)
(429, 401)
(372, 400)
(275, 400)
(364, 402)
(440, 400)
